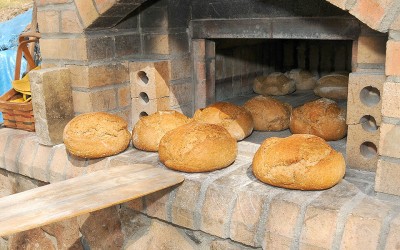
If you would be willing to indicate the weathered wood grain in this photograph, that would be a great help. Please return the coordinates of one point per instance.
(80, 195)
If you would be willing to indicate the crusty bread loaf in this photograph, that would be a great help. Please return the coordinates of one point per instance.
(149, 130)
(274, 84)
(237, 120)
(269, 114)
(95, 135)
(304, 162)
(323, 118)
(197, 147)
(304, 79)
(334, 86)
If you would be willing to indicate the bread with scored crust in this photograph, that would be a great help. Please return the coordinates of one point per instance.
(269, 114)
(149, 130)
(304, 162)
(236, 119)
(322, 117)
(275, 83)
(197, 147)
(95, 135)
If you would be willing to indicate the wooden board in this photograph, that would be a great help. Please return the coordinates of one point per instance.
(80, 195)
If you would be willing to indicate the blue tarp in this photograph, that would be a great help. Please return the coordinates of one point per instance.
(9, 32)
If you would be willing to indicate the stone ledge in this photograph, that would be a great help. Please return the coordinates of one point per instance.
(230, 203)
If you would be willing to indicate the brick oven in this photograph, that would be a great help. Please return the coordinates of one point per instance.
(134, 57)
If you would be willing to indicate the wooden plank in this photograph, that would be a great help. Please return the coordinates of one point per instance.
(80, 195)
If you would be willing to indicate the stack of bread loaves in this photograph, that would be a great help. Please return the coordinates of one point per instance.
(96, 135)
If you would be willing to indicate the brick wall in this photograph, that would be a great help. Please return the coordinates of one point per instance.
(97, 40)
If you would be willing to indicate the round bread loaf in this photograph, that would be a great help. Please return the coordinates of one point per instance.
(323, 118)
(333, 86)
(274, 84)
(304, 79)
(149, 130)
(304, 162)
(197, 147)
(237, 120)
(269, 114)
(95, 135)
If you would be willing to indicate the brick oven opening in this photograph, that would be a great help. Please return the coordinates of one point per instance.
(237, 63)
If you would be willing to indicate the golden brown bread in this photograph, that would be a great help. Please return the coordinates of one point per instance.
(334, 86)
(323, 118)
(274, 84)
(95, 135)
(269, 114)
(237, 120)
(197, 147)
(149, 130)
(304, 79)
(304, 162)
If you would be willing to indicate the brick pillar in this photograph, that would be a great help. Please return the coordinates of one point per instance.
(364, 100)
(52, 103)
(388, 169)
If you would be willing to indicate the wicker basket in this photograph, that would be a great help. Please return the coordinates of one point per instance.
(16, 115)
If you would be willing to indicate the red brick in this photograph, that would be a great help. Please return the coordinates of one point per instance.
(58, 164)
(124, 96)
(247, 212)
(390, 99)
(393, 239)
(136, 204)
(98, 75)
(49, 21)
(389, 140)
(181, 94)
(184, 204)
(70, 22)
(28, 152)
(392, 56)
(396, 24)
(370, 12)
(371, 49)
(104, 5)
(73, 49)
(75, 167)
(321, 217)
(87, 11)
(364, 225)
(66, 233)
(156, 204)
(384, 180)
(216, 211)
(40, 164)
(97, 164)
(12, 151)
(339, 3)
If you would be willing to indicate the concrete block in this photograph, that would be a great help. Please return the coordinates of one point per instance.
(151, 78)
(372, 49)
(52, 103)
(389, 143)
(385, 180)
(142, 108)
(361, 147)
(364, 97)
